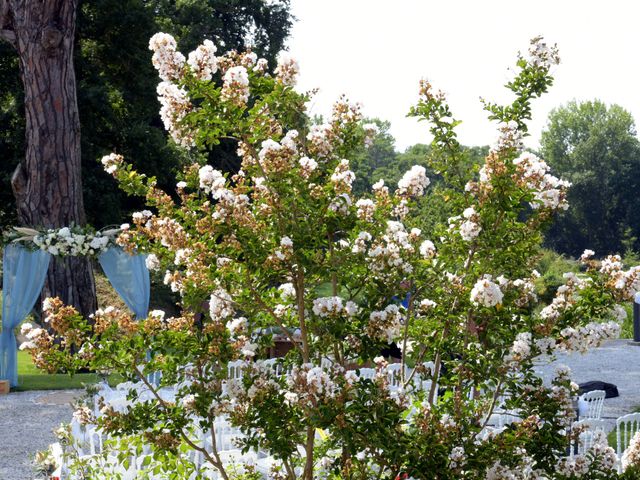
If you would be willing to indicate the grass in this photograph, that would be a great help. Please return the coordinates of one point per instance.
(30, 378)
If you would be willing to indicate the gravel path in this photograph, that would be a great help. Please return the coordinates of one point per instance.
(27, 421)
(617, 362)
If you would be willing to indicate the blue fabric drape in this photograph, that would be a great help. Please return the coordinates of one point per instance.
(24, 273)
(130, 278)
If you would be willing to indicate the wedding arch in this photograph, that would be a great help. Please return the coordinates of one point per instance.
(26, 258)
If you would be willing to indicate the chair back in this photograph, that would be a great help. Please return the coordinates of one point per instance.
(394, 375)
(626, 428)
(368, 373)
(234, 369)
(587, 437)
(595, 402)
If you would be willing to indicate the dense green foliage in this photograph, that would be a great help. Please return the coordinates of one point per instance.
(117, 88)
(595, 147)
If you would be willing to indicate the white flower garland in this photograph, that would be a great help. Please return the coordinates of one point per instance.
(72, 241)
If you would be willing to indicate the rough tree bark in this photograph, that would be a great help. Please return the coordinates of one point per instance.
(47, 183)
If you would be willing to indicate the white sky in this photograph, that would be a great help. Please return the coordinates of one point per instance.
(375, 51)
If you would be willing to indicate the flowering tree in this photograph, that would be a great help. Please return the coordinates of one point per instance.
(284, 247)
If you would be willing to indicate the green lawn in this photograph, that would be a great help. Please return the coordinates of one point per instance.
(30, 378)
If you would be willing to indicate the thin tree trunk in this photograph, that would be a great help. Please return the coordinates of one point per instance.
(47, 183)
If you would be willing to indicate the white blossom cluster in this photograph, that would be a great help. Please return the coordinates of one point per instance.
(509, 137)
(287, 69)
(366, 208)
(32, 334)
(543, 55)
(631, 456)
(627, 282)
(370, 132)
(166, 59)
(308, 383)
(525, 470)
(586, 255)
(235, 85)
(76, 243)
(307, 166)
(278, 156)
(112, 162)
(220, 305)
(414, 182)
(427, 249)
(527, 290)
(486, 293)
(469, 228)
(385, 324)
(360, 243)
(521, 347)
(320, 139)
(174, 106)
(565, 296)
(334, 307)
(342, 178)
(549, 191)
(203, 61)
(393, 251)
(600, 456)
(583, 338)
(212, 181)
(457, 458)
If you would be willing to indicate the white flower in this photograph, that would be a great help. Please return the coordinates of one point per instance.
(486, 293)
(249, 349)
(211, 181)
(586, 255)
(166, 59)
(287, 291)
(290, 398)
(287, 69)
(26, 328)
(427, 249)
(413, 182)
(203, 60)
(235, 87)
(237, 325)
(220, 305)
(366, 208)
(157, 314)
(307, 166)
(152, 262)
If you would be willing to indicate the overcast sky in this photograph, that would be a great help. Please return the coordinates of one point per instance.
(375, 51)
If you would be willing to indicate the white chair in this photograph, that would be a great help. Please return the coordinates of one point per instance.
(275, 365)
(234, 369)
(587, 437)
(501, 419)
(626, 428)
(593, 401)
(367, 373)
(394, 375)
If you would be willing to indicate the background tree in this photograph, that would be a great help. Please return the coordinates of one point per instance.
(117, 88)
(596, 148)
(46, 182)
(116, 94)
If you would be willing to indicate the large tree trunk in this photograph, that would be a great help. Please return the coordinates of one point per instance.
(47, 183)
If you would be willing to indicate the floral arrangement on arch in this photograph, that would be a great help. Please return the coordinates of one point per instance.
(285, 243)
(74, 241)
